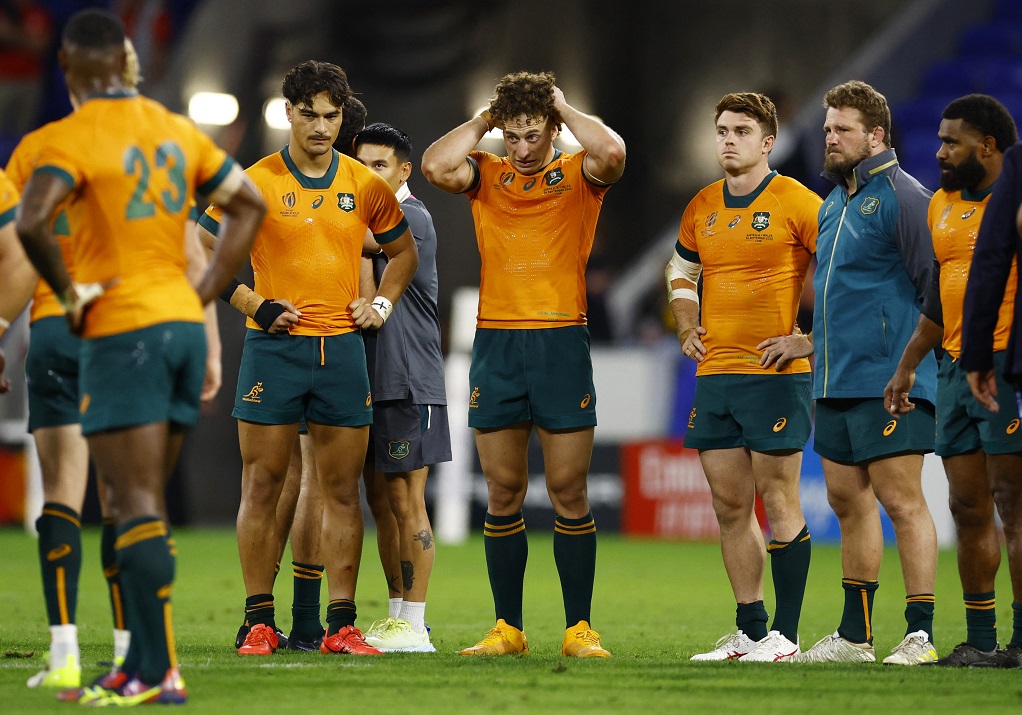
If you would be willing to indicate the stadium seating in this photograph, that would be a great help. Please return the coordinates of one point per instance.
(989, 61)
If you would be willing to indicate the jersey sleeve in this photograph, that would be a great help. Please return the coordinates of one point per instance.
(8, 200)
(53, 159)
(385, 218)
(479, 160)
(686, 247)
(210, 220)
(807, 224)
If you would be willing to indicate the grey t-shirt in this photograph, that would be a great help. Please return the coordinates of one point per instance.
(404, 356)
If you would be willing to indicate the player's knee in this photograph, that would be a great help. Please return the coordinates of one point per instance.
(731, 509)
(970, 511)
(1007, 496)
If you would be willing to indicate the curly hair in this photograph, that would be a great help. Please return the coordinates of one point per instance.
(353, 120)
(987, 116)
(528, 93)
(303, 82)
(871, 105)
(756, 105)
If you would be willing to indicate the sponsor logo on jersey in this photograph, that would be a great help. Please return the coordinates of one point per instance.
(869, 205)
(968, 213)
(761, 220)
(84, 404)
(711, 219)
(585, 401)
(473, 399)
(507, 178)
(780, 424)
(529, 184)
(692, 418)
(553, 177)
(399, 449)
(346, 202)
(735, 221)
(58, 552)
(317, 202)
(253, 395)
(891, 426)
(289, 199)
(1012, 427)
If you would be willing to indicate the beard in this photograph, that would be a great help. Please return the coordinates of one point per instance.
(842, 164)
(969, 174)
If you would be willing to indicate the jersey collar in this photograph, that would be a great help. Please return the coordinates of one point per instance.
(744, 202)
(307, 182)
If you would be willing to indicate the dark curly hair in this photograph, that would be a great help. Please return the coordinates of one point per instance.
(528, 93)
(305, 81)
(987, 116)
(872, 105)
(353, 120)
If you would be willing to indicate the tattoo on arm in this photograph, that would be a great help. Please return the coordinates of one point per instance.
(426, 538)
(407, 574)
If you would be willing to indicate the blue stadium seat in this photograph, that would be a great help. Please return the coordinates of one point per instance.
(993, 40)
(916, 153)
(958, 77)
(1008, 12)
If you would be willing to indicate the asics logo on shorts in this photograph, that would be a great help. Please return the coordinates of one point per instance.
(891, 426)
(780, 424)
(253, 395)
(58, 552)
(1012, 427)
(585, 402)
(369, 399)
(84, 404)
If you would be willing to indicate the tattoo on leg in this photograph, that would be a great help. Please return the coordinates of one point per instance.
(407, 574)
(425, 537)
(393, 585)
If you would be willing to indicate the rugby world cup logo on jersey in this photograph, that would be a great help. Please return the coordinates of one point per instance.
(289, 199)
(346, 202)
(761, 220)
(869, 205)
(711, 219)
(507, 178)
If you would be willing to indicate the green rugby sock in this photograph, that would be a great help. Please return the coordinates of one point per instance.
(340, 613)
(259, 610)
(856, 620)
(751, 619)
(575, 557)
(919, 614)
(147, 574)
(980, 620)
(789, 565)
(1016, 623)
(507, 551)
(60, 560)
(305, 623)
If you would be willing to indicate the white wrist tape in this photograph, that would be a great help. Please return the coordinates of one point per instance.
(4, 324)
(383, 306)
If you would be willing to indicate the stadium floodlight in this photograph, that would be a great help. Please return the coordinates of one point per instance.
(274, 114)
(216, 108)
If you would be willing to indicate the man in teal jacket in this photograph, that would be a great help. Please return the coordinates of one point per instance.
(876, 259)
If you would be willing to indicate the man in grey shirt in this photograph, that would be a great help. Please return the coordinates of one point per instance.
(410, 431)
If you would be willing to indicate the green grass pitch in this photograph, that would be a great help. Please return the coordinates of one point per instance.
(656, 603)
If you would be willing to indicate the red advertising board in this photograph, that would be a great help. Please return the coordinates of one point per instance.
(665, 492)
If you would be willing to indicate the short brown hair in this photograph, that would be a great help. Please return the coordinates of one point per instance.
(756, 105)
(528, 93)
(871, 105)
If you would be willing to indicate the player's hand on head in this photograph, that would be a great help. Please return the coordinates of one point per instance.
(365, 315)
(779, 351)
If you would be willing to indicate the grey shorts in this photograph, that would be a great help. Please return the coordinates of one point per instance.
(405, 436)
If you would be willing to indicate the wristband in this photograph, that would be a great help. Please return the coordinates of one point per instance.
(228, 292)
(267, 313)
(383, 306)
